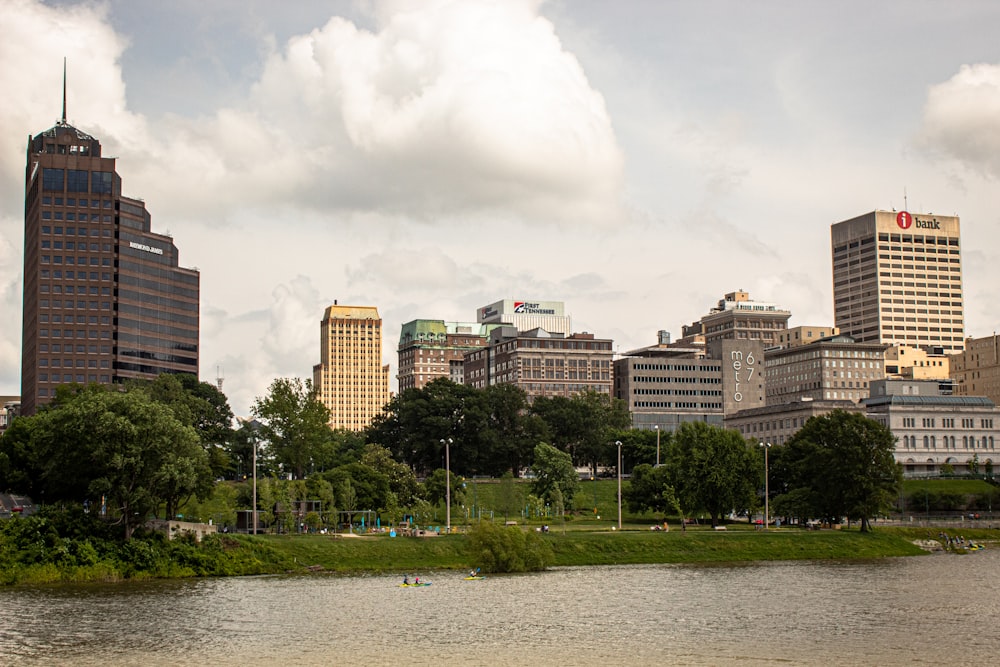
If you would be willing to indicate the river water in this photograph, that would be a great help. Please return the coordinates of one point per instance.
(930, 610)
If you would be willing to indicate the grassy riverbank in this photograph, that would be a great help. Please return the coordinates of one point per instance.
(577, 548)
(59, 560)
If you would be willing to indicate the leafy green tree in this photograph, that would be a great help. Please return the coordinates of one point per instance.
(494, 548)
(435, 489)
(294, 423)
(554, 469)
(509, 432)
(124, 447)
(415, 421)
(318, 488)
(649, 489)
(20, 469)
(200, 405)
(402, 482)
(713, 469)
(583, 425)
(346, 446)
(372, 490)
(348, 499)
(847, 462)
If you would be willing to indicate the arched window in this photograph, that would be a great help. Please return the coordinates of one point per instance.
(926, 442)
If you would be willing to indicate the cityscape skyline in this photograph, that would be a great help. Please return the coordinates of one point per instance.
(634, 171)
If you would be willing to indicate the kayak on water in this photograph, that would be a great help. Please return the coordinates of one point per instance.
(422, 583)
(475, 578)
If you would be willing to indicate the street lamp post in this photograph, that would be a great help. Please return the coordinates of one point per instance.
(657, 427)
(767, 514)
(619, 443)
(254, 508)
(447, 483)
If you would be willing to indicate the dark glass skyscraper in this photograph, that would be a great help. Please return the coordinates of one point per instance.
(104, 297)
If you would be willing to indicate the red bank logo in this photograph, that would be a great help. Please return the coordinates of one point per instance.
(904, 220)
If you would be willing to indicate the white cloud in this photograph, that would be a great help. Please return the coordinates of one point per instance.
(961, 119)
(447, 109)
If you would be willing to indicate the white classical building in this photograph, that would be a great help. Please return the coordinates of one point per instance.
(934, 429)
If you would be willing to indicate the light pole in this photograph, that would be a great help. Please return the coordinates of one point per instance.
(657, 427)
(766, 446)
(254, 508)
(619, 443)
(447, 483)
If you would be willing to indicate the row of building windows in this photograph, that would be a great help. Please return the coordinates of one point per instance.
(949, 442)
(676, 392)
(48, 200)
(684, 405)
(94, 290)
(653, 379)
(57, 348)
(72, 245)
(69, 333)
(71, 274)
(74, 217)
(77, 180)
(78, 378)
(68, 363)
(911, 238)
(70, 304)
(70, 260)
(709, 368)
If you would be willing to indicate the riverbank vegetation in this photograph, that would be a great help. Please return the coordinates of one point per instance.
(105, 461)
(54, 547)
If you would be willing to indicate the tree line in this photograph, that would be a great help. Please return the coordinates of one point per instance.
(149, 447)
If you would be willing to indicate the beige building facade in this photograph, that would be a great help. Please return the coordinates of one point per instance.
(776, 424)
(897, 279)
(542, 363)
(738, 317)
(665, 386)
(803, 335)
(976, 370)
(914, 363)
(350, 379)
(934, 429)
(831, 369)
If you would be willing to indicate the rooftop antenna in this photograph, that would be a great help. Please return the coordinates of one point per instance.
(906, 207)
(64, 91)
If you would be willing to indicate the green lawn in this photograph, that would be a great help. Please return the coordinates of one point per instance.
(383, 554)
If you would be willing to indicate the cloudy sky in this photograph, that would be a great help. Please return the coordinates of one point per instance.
(635, 160)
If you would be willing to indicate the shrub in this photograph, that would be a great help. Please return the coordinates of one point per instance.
(495, 548)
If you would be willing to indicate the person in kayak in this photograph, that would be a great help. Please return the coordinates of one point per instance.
(406, 580)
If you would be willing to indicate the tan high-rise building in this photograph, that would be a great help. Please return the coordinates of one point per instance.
(897, 279)
(976, 370)
(350, 379)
